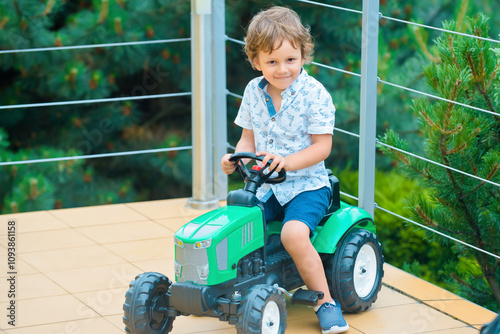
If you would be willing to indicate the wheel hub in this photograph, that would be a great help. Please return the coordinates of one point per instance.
(157, 309)
(365, 270)
(271, 318)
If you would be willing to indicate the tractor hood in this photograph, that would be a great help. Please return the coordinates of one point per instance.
(218, 223)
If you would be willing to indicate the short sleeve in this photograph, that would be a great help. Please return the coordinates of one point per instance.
(321, 116)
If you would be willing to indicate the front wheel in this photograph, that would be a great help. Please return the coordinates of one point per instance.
(354, 272)
(146, 304)
(262, 311)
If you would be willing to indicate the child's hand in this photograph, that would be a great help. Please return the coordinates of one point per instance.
(278, 161)
(228, 167)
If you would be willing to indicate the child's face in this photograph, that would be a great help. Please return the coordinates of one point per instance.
(280, 67)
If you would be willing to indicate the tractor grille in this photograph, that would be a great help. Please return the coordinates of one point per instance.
(190, 259)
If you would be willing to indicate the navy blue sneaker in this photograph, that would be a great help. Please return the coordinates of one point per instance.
(331, 319)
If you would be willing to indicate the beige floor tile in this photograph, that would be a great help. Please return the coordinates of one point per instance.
(310, 325)
(173, 224)
(171, 208)
(460, 330)
(71, 258)
(415, 286)
(87, 326)
(47, 310)
(34, 286)
(195, 324)
(121, 232)
(95, 278)
(143, 250)
(219, 331)
(47, 240)
(162, 266)
(388, 297)
(105, 302)
(117, 321)
(464, 310)
(97, 215)
(31, 222)
(403, 319)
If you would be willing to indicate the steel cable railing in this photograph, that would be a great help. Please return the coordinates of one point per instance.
(89, 101)
(108, 99)
(438, 29)
(94, 156)
(89, 46)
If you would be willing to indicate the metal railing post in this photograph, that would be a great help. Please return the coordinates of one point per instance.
(220, 95)
(368, 105)
(202, 128)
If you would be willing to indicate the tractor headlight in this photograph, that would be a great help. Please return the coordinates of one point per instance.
(202, 244)
(177, 268)
(203, 272)
(178, 242)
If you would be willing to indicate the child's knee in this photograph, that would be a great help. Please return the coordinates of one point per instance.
(294, 234)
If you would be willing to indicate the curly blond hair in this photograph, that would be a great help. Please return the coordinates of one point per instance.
(269, 28)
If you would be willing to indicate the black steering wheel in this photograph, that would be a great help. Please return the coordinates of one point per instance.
(257, 176)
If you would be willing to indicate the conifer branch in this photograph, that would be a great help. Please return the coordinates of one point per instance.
(430, 222)
(457, 149)
(462, 282)
(423, 45)
(48, 8)
(452, 50)
(490, 176)
(477, 80)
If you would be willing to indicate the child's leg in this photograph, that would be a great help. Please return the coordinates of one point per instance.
(296, 240)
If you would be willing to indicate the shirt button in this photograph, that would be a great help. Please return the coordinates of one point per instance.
(293, 93)
(267, 99)
(271, 141)
(273, 119)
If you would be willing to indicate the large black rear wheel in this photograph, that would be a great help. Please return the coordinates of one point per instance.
(146, 304)
(354, 272)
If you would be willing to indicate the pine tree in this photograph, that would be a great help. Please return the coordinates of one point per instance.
(93, 73)
(468, 72)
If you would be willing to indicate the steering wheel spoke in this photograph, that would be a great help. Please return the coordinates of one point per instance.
(264, 175)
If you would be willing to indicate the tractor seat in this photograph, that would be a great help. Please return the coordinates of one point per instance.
(334, 199)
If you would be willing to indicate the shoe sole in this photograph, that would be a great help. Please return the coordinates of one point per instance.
(336, 329)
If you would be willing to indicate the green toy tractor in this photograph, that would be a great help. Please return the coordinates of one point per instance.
(230, 264)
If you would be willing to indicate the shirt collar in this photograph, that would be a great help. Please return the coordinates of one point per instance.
(293, 88)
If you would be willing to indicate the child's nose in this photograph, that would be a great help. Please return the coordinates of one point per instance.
(281, 68)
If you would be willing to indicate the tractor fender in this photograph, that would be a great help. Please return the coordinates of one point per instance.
(327, 237)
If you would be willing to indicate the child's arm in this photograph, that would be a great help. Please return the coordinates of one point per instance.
(245, 144)
(317, 152)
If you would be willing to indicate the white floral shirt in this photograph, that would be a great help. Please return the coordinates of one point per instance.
(306, 109)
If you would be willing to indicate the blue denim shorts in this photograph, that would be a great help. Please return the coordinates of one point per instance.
(308, 207)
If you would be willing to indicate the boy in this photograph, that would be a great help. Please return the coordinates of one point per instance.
(288, 116)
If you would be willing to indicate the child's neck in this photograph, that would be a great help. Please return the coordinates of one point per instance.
(275, 94)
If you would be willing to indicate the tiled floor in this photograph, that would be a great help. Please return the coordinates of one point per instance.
(74, 266)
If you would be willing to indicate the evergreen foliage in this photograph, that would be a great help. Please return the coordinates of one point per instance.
(464, 139)
(93, 73)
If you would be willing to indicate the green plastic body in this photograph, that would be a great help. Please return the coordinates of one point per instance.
(326, 238)
(236, 231)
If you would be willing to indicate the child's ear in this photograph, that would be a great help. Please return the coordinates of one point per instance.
(256, 64)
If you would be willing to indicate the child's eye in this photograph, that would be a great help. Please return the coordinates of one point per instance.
(290, 60)
(271, 62)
